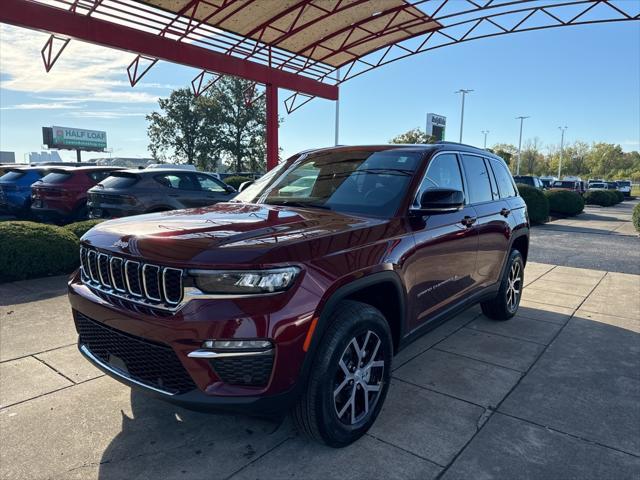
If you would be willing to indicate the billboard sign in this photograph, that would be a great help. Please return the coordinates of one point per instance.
(74, 138)
(436, 125)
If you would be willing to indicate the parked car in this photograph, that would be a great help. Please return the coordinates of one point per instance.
(573, 185)
(598, 186)
(61, 195)
(275, 302)
(612, 185)
(132, 192)
(15, 189)
(625, 187)
(530, 180)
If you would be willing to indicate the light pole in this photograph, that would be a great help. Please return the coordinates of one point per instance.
(562, 129)
(520, 143)
(485, 133)
(464, 93)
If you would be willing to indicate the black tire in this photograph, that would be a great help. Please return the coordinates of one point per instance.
(316, 411)
(505, 304)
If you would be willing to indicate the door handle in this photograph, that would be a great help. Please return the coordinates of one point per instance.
(467, 221)
(505, 212)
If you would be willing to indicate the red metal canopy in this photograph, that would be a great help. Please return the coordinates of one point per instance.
(307, 46)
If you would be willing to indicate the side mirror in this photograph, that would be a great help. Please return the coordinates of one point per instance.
(440, 200)
(244, 185)
(230, 189)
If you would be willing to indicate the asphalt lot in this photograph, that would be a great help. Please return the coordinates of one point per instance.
(600, 238)
(553, 393)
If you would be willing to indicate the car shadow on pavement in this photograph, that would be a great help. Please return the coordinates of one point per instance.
(161, 440)
(27, 291)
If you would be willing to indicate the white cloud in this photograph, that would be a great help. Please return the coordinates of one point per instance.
(83, 73)
(40, 106)
(105, 114)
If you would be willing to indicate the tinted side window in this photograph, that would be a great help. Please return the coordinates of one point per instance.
(503, 177)
(478, 186)
(98, 176)
(492, 179)
(443, 172)
(209, 184)
(179, 181)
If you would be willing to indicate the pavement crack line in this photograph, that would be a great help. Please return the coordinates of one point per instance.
(54, 369)
(493, 411)
(276, 446)
(413, 454)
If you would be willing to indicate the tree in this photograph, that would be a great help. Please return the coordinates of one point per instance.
(531, 157)
(185, 130)
(506, 151)
(414, 136)
(218, 125)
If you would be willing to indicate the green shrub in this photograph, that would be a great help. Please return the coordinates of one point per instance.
(32, 250)
(636, 217)
(80, 228)
(236, 181)
(619, 196)
(564, 202)
(604, 198)
(537, 203)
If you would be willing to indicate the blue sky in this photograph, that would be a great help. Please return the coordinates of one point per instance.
(585, 77)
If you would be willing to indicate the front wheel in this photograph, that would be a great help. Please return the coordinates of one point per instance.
(506, 303)
(349, 376)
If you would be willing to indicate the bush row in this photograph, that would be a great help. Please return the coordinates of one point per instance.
(537, 203)
(31, 250)
(564, 202)
(636, 217)
(604, 198)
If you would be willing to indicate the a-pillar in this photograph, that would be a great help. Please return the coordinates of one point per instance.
(272, 126)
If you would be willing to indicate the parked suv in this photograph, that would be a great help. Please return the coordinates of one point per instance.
(299, 301)
(61, 195)
(15, 189)
(530, 180)
(625, 187)
(132, 192)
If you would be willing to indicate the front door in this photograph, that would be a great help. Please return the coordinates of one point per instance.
(441, 268)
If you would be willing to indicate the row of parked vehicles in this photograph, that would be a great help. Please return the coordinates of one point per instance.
(575, 184)
(65, 193)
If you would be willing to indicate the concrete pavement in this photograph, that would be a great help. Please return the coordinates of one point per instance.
(553, 393)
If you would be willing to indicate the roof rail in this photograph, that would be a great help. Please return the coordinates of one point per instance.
(444, 142)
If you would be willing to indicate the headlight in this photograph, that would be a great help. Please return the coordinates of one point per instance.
(244, 281)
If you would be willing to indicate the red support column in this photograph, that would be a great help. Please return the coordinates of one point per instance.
(272, 126)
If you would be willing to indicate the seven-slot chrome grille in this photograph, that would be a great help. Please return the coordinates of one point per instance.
(149, 284)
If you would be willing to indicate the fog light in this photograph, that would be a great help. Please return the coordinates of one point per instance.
(236, 344)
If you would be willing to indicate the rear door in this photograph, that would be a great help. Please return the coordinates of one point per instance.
(182, 189)
(442, 266)
(213, 190)
(492, 212)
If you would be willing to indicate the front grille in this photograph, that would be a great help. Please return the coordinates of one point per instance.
(252, 370)
(147, 362)
(152, 285)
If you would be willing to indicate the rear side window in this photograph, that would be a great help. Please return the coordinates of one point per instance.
(503, 178)
(443, 172)
(209, 184)
(119, 181)
(11, 176)
(57, 177)
(177, 180)
(478, 184)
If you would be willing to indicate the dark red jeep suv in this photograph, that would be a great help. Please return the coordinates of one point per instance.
(297, 294)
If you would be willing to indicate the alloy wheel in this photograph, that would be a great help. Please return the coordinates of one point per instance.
(514, 287)
(359, 378)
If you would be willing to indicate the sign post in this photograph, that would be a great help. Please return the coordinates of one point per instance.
(436, 126)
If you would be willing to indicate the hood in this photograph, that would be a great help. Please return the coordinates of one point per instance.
(228, 234)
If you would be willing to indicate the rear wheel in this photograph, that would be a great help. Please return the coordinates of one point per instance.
(349, 376)
(505, 304)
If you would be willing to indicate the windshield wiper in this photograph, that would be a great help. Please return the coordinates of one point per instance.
(287, 203)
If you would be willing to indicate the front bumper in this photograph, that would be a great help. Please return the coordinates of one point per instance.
(184, 331)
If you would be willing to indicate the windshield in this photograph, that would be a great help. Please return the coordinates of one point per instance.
(11, 176)
(56, 177)
(119, 180)
(564, 184)
(624, 183)
(597, 185)
(361, 182)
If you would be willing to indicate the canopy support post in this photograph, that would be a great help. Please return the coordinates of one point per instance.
(272, 126)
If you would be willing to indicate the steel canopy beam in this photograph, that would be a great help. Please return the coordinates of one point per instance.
(42, 17)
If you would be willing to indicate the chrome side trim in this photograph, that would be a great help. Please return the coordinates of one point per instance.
(144, 282)
(212, 354)
(119, 373)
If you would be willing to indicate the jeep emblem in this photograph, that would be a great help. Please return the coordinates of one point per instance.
(121, 244)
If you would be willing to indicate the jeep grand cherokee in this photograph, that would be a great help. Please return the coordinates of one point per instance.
(297, 299)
